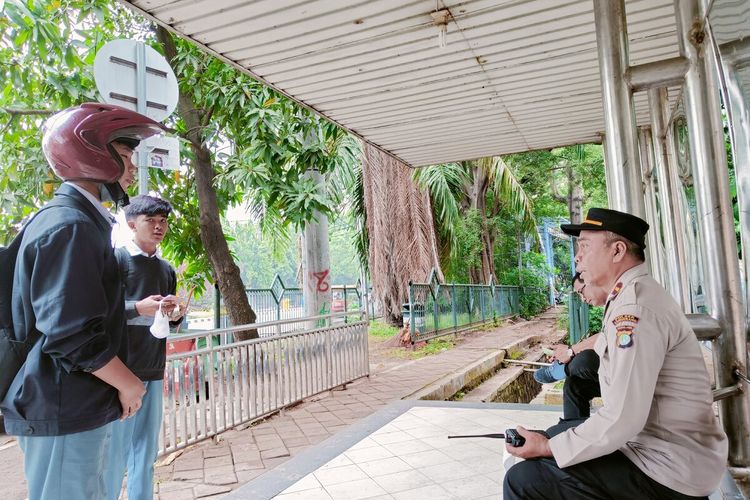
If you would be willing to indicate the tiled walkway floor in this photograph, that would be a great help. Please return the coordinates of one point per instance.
(408, 457)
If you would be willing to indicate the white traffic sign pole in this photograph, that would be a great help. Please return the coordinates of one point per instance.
(140, 61)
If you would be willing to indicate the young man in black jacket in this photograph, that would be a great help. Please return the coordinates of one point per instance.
(67, 291)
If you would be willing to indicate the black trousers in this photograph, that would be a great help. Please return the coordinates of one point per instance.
(612, 476)
(581, 385)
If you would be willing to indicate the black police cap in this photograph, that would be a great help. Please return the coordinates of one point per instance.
(602, 219)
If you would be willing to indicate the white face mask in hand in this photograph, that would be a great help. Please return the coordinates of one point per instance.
(160, 327)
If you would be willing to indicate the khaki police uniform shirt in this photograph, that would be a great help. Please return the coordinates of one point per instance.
(656, 392)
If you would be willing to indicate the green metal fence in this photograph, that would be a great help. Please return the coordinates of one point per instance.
(280, 302)
(578, 318)
(436, 309)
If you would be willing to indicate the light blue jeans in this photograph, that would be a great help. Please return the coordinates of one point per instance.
(69, 466)
(135, 443)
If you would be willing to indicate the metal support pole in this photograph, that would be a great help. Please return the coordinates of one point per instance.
(653, 238)
(622, 162)
(453, 306)
(608, 181)
(549, 255)
(738, 114)
(217, 306)
(716, 223)
(672, 223)
(140, 61)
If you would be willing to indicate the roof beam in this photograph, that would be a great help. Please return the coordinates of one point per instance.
(657, 74)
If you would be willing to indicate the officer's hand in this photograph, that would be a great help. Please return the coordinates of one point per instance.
(131, 397)
(149, 305)
(535, 446)
(561, 353)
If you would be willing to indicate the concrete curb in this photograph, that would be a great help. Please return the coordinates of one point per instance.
(474, 374)
(470, 376)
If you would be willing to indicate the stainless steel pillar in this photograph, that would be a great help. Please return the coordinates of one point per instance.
(653, 240)
(738, 113)
(607, 175)
(673, 225)
(623, 164)
(716, 222)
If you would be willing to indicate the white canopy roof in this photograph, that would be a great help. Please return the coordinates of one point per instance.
(515, 75)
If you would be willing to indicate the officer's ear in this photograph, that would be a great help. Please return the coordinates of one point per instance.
(620, 249)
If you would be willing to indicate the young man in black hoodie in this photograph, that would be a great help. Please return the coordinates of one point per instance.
(150, 287)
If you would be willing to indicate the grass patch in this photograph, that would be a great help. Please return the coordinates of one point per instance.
(382, 330)
(434, 346)
(515, 353)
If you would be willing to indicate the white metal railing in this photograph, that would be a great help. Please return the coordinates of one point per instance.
(210, 390)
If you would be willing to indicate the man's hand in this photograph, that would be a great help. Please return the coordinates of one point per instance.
(535, 446)
(561, 353)
(131, 398)
(172, 307)
(130, 389)
(149, 305)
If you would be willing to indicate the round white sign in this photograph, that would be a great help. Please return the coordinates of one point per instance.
(150, 89)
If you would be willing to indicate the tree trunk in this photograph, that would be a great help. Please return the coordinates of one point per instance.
(403, 242)
(212, 235)
(477, 194)
(316, 262)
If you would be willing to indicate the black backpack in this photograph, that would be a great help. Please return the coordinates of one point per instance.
(13, 352)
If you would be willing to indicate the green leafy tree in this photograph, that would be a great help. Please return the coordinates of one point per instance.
(242, 141)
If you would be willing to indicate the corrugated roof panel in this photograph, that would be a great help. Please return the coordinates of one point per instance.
(516, 74)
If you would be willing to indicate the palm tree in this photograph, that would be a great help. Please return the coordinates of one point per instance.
(483, 187)
(403, 244)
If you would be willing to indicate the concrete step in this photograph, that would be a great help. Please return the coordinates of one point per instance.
(474, 374)
(489, 390)
(467, 377)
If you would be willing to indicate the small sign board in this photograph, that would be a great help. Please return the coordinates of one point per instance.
(133, 75)
(161, 152)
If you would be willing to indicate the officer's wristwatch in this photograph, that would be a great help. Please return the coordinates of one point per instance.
(571, 353)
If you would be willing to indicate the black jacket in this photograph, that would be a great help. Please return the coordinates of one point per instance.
(67, 286)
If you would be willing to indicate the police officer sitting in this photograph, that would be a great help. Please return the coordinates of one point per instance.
(656, 435)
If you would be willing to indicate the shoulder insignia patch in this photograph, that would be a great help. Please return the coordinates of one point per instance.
(615, 291)
(625, 318)
(624, 338)
(625, 326)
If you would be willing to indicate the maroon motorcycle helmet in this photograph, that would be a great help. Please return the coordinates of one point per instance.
(77, 141)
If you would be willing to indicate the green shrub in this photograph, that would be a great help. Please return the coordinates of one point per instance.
(596, 316)
(532, 276)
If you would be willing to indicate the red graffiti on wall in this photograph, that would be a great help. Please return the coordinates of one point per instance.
(321, 278)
